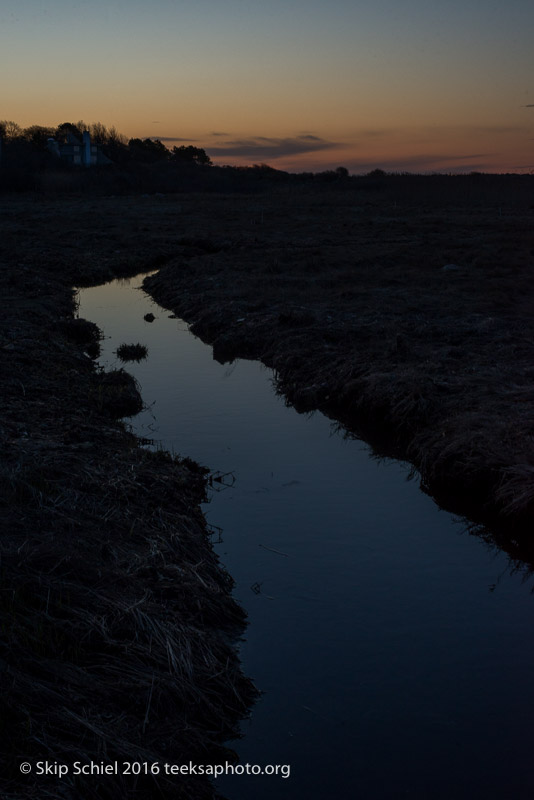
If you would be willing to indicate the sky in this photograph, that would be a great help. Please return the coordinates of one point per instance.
(301, 85)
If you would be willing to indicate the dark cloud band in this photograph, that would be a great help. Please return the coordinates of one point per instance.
(269, 147)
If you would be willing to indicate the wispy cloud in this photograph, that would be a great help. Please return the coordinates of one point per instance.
(218, 133)
(172, 139)
(492, 129)
(377, 134)
(271, 147)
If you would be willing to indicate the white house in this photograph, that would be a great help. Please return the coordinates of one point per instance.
(75, 152)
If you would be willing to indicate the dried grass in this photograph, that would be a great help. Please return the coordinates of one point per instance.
(117, 619)
(362, 321)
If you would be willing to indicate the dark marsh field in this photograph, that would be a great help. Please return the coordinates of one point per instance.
(401, 306)
(405, 312)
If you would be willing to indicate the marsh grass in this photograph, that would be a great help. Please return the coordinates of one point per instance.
(131, 352)
(362, 320)
(117, 618)
(118, 625)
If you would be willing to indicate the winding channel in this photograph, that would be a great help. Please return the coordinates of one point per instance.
(394, 650)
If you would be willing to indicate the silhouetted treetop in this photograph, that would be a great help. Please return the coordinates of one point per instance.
(190, 155)
(149, 150)
(38, 134)
(10, 129)
(73, 128)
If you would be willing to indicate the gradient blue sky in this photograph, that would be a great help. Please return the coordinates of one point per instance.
(300, 85)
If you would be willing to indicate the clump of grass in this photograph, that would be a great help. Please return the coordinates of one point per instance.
(117, 393)
(131, 352)
(84, 333)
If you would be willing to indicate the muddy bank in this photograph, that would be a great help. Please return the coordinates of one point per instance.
(409, 322)
(118, 623)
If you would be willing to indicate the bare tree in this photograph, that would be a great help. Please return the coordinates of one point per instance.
(38, 134)
(10, 129)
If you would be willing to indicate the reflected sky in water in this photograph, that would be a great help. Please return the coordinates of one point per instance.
(394, 650)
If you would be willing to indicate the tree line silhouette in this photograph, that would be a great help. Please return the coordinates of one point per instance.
(29, 164)
(118, 148)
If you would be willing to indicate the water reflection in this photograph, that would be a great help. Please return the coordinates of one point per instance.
(394, 650)
(516, 543)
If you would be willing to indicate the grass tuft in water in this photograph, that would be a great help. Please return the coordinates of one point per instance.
(131, 352)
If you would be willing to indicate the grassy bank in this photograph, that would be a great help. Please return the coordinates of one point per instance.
(405, 316)
(117, 620)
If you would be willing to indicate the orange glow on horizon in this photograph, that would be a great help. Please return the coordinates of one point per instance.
(355, 85)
